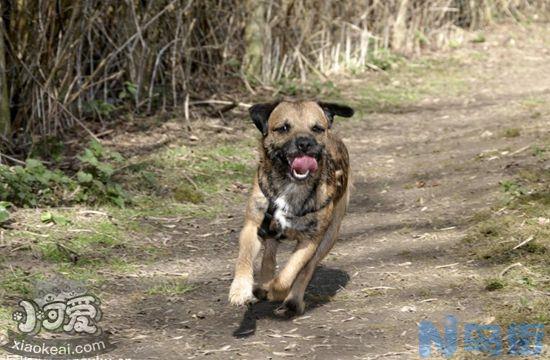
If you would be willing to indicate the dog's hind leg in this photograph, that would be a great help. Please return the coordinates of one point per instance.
(267, 271)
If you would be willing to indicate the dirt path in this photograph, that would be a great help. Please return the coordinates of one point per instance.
(420, 176)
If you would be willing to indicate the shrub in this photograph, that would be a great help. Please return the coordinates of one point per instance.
(35, 185)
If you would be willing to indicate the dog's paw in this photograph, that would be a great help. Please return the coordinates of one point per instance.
(276, 291)
(240, 292)
(290, 308)
(260, 293)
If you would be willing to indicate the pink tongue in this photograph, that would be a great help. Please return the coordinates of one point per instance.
(304, 163)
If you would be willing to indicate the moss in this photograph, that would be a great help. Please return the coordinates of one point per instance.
(511, 133)
(187, 193)
(494, 284)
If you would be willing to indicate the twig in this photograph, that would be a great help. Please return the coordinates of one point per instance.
(523, 242)
(71, 115)
(219, 127)
(191, 181)
(154, 75)
(219, 102)
(69, 253)
(186, 112)
(385, 355)
(446, 266)
(508, 268)
(428, 300)
(36, 234)
(312, 67)
(246, 83)
(106, 60)
(519, 150)
(86, 212)
(12, 159)
(226, 108)
(379, 288)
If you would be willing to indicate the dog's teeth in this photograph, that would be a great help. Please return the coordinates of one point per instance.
(300, 176)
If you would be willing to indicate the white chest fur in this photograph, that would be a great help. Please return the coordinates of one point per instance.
(282, 212)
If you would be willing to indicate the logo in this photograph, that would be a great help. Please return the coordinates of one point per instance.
(521, 339)
(67, 315)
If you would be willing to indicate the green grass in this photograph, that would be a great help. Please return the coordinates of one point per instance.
(170, 288)
(532, 102)
(523, 272)
(86, 273)
(480, 38)
(16, 282)
(86, 246)
(408, 83)
(5, 318)
(173, 182)
(187, 180)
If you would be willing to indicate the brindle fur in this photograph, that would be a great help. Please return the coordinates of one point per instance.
(313, 208)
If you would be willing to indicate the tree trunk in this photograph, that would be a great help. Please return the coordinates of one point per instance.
(399, 36)
(4, 94)
(255, 12)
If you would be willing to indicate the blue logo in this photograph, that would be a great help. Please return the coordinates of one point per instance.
(520, 339)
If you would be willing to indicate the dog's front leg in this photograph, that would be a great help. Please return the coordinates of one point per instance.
(240, 292)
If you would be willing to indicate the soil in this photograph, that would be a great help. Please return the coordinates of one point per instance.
(420, 176)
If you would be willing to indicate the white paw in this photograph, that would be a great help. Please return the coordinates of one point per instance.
(240, 292)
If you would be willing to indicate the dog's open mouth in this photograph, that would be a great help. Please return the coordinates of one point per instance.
(302, 166)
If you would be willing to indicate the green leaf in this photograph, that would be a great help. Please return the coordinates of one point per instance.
(84, 177)
(96, 147)
(88, 157)
(118, 201)
(33, 163)
(131, 88)
(4, 214)
(115, 155)
(105, 169)
(46, 217)
(60, 220)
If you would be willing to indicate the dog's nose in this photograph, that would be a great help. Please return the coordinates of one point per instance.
(304, 143)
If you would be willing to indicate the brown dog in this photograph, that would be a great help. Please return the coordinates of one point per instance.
(300, 192)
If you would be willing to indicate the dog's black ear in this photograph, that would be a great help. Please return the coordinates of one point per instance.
(260, 114)
(332, 110)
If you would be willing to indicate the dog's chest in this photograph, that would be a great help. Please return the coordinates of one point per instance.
(282, 212)
(288, 204)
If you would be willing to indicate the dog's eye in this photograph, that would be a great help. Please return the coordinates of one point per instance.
(318, 129)
(283, 129)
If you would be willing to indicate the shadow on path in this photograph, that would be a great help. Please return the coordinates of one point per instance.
(323, 286)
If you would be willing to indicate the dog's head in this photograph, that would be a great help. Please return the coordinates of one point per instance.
(295, 133)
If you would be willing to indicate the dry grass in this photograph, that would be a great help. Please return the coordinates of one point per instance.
(81, 63)
(514, 242)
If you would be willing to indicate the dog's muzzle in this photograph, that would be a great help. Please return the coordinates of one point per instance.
(302, 156)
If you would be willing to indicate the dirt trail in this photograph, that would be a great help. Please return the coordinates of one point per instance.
(418, 181)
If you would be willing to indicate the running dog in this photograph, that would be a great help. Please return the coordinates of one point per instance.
(300, 192)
